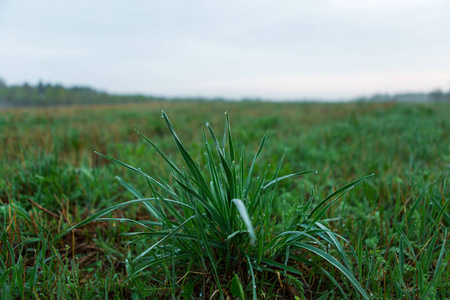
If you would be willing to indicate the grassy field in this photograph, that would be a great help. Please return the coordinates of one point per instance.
(387, 236)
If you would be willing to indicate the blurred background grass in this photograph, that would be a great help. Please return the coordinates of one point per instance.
(48, 158)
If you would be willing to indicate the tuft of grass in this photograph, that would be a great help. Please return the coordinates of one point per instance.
(217, 219)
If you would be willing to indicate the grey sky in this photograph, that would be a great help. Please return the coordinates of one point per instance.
(270, 49)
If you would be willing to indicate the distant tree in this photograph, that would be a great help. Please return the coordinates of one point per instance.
(437, 95)
(3, 90)
(2, 83)
(40, 89)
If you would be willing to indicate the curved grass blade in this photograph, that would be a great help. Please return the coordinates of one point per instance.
(250, 172)
(101, 213)
(161, 153)
(255, 297)
(246, 218)
(287, 176)
(336, 264)
(138, 195)
(165, 188)
(281, 266)
(179, 256)
(173, 232)
(441, 213)
(127, 221)
(312, 264)
(338, 193)
(230, 137)
(440, 265)
(192, 166)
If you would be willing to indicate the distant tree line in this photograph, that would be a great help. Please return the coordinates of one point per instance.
(434, 96)
(46, 94)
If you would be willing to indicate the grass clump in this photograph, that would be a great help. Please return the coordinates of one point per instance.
(215, 231)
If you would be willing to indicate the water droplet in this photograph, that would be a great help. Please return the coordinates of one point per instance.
(316, 172)
(226, 112)
(268, 165)
(254, 286)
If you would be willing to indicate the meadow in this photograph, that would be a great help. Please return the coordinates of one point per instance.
(385, 237)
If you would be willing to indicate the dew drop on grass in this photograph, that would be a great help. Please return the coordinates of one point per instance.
(316, 172)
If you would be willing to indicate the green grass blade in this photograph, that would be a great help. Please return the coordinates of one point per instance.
(286, 177)
(161, 153)
(246, 218)
(440, 265)
(338, 193)
(192, 166)
(172, 233)
(336, 264)
(230, 138)
(138, 195)
(441, 213)
(255, 297)
(281, 266)
(101, 213)
(250, 172)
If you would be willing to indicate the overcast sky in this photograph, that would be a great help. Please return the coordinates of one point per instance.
(271, 49)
